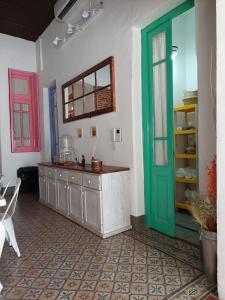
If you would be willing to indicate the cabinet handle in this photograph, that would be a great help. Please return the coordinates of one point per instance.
(60, 175)
(73, 177)
(89, 181)
(68, 187)
(65, 187)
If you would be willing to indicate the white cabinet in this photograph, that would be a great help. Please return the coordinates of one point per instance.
(62, 193)
(92, 209)
(52, 192)
(99, 202)
(43, 189)
(75, 202)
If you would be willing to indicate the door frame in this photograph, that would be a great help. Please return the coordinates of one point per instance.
(52, 116)
(147, 99)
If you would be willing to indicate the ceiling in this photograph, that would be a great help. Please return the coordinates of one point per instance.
(26, 19)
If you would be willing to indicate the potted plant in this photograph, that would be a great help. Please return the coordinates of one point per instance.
(203, 210)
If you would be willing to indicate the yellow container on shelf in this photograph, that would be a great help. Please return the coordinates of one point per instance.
(190, 97)
(188, 101)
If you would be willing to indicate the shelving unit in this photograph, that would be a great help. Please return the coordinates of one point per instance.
(185, 136)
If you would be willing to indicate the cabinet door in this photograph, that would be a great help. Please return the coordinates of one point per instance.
(92, 209)
(62, 196)
(43, 189)
(75, 202)
(52, 192)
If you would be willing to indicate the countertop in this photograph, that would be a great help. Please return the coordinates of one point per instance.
(87, 168)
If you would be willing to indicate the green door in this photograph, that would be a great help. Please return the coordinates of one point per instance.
(158, 128)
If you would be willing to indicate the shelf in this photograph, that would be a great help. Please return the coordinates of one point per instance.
(186, 108)
(189, 131)
(186, 180)
(188, 156)
(183, 205)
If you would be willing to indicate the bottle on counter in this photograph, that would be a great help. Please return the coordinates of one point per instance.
(83, 161)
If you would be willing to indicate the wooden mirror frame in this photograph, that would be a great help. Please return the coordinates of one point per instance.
(110, 87)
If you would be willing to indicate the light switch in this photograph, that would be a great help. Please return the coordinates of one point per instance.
(117, 135)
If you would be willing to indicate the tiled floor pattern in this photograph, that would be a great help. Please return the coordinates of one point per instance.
(187, 228)
(61, 260)
(176, 248)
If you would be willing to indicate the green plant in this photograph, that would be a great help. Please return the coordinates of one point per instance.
(203, 207)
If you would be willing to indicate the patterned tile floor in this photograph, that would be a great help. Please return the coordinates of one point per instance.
(61, 260)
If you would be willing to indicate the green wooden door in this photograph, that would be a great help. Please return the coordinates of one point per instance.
(158, 128)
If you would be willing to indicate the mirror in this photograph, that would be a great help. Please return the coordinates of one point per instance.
(103, 77)
(90, 93)
(89, 83)
(77, 89)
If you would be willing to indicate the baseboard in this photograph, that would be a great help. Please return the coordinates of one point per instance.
(138, 223)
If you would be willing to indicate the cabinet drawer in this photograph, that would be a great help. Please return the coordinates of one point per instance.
(51, 172)
(61, 174)
(92, 181)
(41, 171)
(75, 177)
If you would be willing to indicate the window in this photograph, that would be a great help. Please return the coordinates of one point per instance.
(24, 111)
(91, 93)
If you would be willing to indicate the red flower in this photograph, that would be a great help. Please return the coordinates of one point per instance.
(211, 183)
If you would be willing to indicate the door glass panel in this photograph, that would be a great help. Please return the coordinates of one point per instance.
(159, 47)
(89, 103)
(25, 107)
(160, 150)
(26, 142)
(160, 100)
(17, 143)
(26, 125)
(19, 86)
(16, 124)
(16, 106)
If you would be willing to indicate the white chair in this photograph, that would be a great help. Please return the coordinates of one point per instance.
(2, 240)
(5, 189)
(1, 182)
(6, 218)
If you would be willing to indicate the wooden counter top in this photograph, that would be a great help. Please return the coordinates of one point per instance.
(87, 168)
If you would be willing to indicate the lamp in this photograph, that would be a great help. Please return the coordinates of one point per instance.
(86, 16)
(57, 41)
(72, 28)
(174, 52)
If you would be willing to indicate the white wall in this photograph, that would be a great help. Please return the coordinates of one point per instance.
(206, 49)
(185, 63)
(116, 32)
(18, 54)
(191, 81)
(220, 22)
